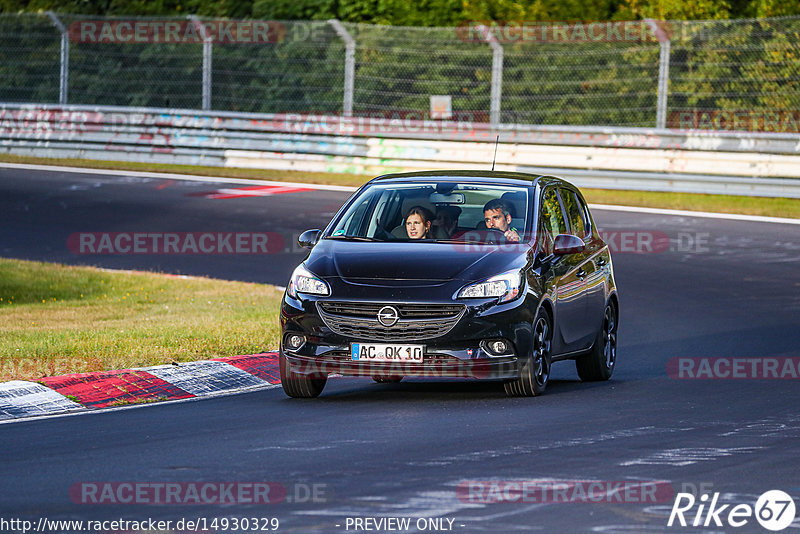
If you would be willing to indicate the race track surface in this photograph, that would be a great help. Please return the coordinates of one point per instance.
(719, 289)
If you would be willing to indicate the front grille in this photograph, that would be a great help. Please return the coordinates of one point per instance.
(359, 320)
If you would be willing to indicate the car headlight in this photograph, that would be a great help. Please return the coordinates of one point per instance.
(304, 281)
(506, 286)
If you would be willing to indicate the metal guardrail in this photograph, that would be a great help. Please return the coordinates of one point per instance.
(756, 164)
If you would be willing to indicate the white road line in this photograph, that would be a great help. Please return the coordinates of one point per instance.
(323, 187)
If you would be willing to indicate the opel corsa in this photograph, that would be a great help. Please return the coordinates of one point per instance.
(472, 274)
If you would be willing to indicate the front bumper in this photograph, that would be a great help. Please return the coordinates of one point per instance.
(479, 368)
(460, 353)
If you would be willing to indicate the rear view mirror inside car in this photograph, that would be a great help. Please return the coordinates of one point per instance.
(452, 198)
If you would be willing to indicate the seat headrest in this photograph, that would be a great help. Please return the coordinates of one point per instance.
(516, 203)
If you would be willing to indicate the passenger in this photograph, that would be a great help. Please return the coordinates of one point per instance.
(446, 222)
(418, 223)
(496, 215)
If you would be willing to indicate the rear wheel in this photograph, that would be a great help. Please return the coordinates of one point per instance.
(298, 385)
(535, 373)
(599, 363)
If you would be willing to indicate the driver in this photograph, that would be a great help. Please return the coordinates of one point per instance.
(496, 215)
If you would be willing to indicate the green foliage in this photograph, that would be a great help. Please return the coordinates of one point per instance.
(421, 12)
(674, 9)
(29, 68)
(301, 74)
(418, 13)
(727, 66)
(717, 66)
(770, 8)
(294, 10)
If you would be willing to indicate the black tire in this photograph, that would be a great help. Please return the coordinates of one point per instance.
(600, 362)
(387, 379)
(298, 385)
(535, 373)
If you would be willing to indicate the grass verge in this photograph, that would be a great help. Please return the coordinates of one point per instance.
(57, 319)
(773, 207)
(770, 207)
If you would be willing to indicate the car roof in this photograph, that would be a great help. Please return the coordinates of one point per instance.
(496, 177)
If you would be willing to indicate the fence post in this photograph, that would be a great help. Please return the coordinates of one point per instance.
(349, 65)
(63, 78)
(663, 71)
(206, 61)
(497, 75)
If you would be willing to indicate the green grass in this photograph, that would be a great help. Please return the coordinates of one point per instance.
(773, 207)
(57, 319)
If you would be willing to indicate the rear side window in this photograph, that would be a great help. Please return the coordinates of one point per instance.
(575, 213)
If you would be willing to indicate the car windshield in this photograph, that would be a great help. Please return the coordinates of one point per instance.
(436, 211)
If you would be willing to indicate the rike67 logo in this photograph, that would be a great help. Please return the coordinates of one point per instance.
(774, 510)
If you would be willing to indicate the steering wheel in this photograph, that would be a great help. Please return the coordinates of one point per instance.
(496, 236)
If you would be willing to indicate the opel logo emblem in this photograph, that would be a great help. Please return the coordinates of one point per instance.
(388, 315)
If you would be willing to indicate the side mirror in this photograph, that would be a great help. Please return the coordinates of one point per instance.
(568, 244)
(309, 238)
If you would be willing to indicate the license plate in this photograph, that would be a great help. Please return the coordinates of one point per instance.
(366, 352)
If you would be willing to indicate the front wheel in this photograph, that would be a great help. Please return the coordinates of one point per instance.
(299, 385)
(535, 373)
(599, 363)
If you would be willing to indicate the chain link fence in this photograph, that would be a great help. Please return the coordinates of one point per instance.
(742, 74)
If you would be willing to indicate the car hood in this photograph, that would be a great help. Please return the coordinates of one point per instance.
(404, 263)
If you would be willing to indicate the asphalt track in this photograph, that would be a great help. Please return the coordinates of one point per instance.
(721, 289)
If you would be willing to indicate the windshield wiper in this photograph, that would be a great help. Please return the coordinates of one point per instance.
(353, 238)
(465, 242)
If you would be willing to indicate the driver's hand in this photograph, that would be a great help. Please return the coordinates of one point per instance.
(511, 235)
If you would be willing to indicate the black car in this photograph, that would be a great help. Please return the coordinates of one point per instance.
(473, 274)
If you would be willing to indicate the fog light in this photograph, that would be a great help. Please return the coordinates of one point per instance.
(498, 347)
(295, 341)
